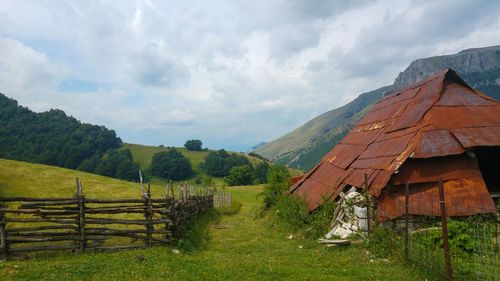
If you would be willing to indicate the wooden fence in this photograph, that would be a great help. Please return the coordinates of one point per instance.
(80, 224)
(223, 199)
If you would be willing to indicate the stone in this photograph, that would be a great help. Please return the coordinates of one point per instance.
(359, 212)
(362, 224)
(342, 232)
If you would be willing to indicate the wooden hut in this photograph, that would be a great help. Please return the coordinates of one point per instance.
(437, 129)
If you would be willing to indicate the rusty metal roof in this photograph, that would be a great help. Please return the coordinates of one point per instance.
(436, 117)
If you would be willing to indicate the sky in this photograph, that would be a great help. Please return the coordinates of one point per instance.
(230, 73)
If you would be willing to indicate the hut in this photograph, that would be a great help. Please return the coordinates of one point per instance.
(437, 129)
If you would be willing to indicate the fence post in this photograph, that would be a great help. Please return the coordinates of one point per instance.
(4, 246)
(81, 215)
(368, 215)
(149, 217)
(407, 201)
(444, 230)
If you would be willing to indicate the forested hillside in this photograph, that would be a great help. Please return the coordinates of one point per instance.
(50, 137)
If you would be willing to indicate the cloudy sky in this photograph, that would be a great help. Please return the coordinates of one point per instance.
(231, 73)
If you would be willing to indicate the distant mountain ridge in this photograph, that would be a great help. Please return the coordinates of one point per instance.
(303, 147)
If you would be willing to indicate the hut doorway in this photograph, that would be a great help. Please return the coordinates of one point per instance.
(489, 164)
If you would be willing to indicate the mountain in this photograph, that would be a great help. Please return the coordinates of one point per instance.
(303, 147)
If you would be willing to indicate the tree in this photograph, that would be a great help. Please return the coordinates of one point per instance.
(214, 163)
(127, 170)
(241, 175)
(278, 181)
(171, 164)
(260, 172)
(194, 145)
(218, 164)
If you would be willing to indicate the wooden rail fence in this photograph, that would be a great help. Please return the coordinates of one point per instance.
(80, 224)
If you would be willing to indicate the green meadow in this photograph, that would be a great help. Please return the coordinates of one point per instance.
(242, 246)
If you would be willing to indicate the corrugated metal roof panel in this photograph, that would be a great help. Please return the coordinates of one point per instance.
(396, 97)
(437, 143)
(463, 197)
(373, 163)
(457, 95)
(361, 138)
(357, 177)
(385, 113)
(387, 147)
(480, 136)
(451, 117)
(431, 170)
(423, 101)
(342, 155)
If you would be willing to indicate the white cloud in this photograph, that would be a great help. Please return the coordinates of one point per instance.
(231, 73)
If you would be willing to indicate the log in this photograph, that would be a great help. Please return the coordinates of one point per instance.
(49, 203)
(115, 211)
(38, 211)
(15, 239)
(114, 248)
(114, 201)
(338, 207)
(28, 199)
(123, 221)
(33, 234)
(337, 242)
(47, 227)
(60, 221)
(42, 248)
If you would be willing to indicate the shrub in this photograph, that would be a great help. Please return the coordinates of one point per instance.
(292, 212)
(278, 181)
(241, 175)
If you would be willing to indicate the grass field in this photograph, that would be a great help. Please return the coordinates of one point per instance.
(240, 247)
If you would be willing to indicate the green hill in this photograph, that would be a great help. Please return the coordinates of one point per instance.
(37, 180)
(143, 154)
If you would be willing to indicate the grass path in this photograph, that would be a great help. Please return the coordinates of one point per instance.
(241, 248)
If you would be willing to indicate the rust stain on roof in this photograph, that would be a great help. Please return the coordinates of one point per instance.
(437, 117)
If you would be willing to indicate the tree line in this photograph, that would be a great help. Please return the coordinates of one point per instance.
(236, 169)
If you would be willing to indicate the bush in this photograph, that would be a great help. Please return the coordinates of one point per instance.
(194, 145)
(278, 181)
(292, 212)
(171, 165)
(241, 175)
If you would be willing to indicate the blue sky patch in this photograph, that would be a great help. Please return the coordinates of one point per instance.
(75, 85)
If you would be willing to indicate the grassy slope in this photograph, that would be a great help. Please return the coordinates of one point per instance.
(248, 249)
(27, 179)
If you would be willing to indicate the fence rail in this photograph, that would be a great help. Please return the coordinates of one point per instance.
(449, 248)
(81, 224)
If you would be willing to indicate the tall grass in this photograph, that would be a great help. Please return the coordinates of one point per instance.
(292, 212)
